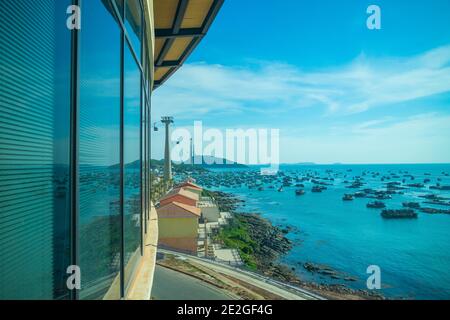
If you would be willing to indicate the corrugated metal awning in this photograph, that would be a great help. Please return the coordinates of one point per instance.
(179, 26)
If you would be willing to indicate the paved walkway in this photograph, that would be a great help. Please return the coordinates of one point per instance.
(230, 256)
(172, 285)
(283, 290)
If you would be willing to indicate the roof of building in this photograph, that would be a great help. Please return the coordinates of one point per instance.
(181, 191)
(191, 185)
(180, 25)
(177, 210)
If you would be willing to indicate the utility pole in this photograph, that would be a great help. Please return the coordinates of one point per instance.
(167, 161)
(192, 153)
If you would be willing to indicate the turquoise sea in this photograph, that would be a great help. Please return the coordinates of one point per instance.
(413, 254)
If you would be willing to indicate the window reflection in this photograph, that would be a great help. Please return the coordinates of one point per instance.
(34, 150)
(144, 159)
(99, 154)
(132, 163)
(119, 4)
(133, 24)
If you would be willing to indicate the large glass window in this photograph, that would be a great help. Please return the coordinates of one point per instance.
(34, 149)
(99, 154)
(149, 153)
(132, 163)
(119, 4)
(38, 158)
(133, 24)
(144, 159)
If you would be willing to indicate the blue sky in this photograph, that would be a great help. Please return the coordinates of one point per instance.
(337, 91)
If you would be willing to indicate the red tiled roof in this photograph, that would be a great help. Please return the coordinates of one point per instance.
(176, 209)
(190, 185)
(181, 191)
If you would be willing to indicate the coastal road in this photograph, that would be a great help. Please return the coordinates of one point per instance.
(171, 285)
(285, 291)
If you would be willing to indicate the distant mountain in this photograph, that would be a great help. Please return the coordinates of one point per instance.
(214, 162)
(205, 162)
(156, 163)
(300, 164)
(137, 164)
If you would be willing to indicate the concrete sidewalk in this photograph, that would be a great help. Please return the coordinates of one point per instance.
(171, 285)
(285, 291)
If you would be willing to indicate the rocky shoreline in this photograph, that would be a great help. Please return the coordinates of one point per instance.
(266, 243)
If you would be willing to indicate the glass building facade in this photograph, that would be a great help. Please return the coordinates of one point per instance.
(74, 147)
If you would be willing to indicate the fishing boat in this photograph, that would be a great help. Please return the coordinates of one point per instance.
(317, 189)
(399, 214)
(376, 205)
(348, 197)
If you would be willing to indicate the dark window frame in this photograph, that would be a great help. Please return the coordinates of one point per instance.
(143, 63)
(74, 137)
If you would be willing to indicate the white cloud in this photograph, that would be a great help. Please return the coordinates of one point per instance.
(422, 138)
(257, 92)
(365, 83)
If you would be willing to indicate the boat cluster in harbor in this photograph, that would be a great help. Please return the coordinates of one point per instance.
(389, 189)
(360, 186)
